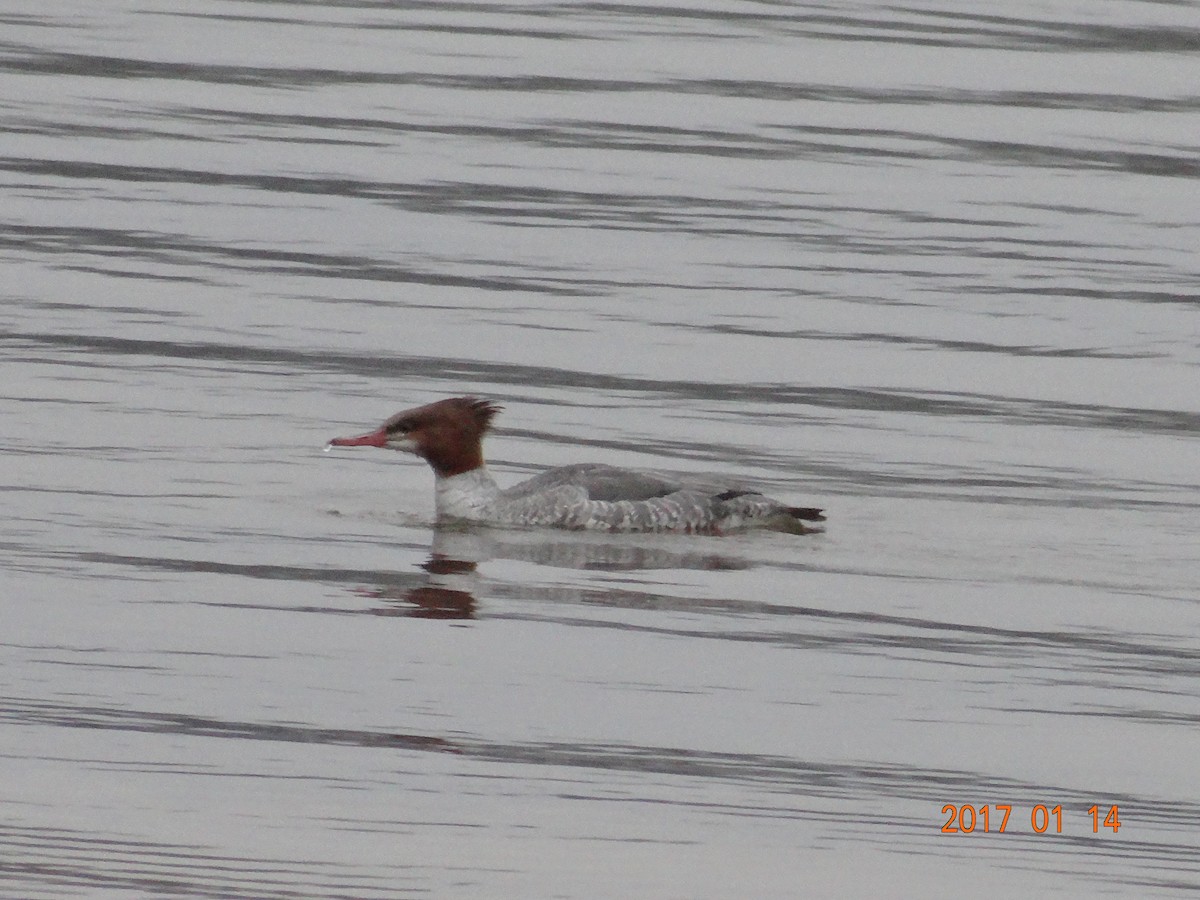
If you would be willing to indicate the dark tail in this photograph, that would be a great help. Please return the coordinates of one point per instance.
(807, 513)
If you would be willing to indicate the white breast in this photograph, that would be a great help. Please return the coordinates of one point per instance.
(471, 496)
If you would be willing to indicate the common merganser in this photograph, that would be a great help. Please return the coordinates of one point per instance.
(449, 434)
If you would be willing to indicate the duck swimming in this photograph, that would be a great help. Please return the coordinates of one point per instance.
(449, 435)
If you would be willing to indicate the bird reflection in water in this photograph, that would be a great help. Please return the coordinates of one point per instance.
(449, 590)
(452, 570)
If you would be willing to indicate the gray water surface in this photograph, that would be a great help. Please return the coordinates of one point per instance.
(931, 268)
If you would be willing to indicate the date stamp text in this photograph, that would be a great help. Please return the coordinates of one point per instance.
(996, 818)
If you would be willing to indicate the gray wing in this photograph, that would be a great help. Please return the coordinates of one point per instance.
(608, 483)
(596, 496)
(599, 482)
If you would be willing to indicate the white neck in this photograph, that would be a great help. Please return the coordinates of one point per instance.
(471, 495)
